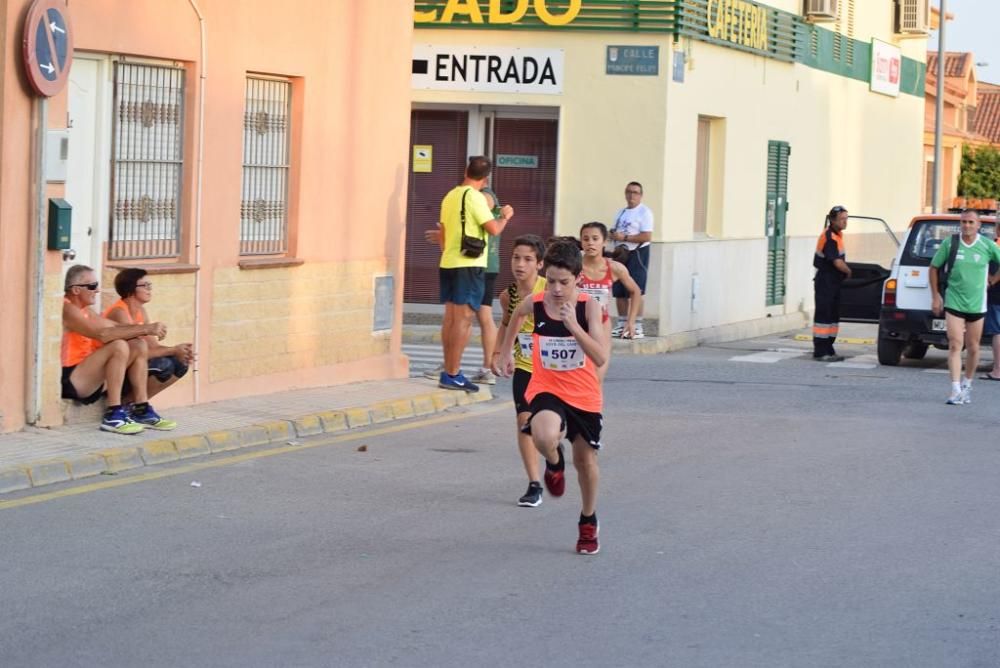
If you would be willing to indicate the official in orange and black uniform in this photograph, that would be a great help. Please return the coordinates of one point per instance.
(831, 271)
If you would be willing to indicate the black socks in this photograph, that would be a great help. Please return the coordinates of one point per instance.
(556, 467)
(588, 520)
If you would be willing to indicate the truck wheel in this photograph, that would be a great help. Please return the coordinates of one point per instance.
(889, 351)
(915, 351)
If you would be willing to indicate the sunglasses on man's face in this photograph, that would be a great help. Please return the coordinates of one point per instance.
(89, 286)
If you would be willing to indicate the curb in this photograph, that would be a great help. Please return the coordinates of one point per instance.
(163, 451)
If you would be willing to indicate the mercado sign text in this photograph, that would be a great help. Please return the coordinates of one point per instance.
(470, 12)
(738, 21)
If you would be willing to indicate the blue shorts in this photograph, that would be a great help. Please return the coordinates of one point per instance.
(638, 266)
(463, 285)
(992, 325)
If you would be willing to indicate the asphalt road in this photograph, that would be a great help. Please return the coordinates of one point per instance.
(753, 513)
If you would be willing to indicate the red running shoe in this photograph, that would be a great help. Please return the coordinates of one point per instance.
(555, 479)
(587, 543)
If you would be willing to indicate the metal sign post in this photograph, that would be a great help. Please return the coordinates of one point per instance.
(47, 49)
(938, 111)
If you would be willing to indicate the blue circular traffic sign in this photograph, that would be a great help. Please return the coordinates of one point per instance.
(48, 46)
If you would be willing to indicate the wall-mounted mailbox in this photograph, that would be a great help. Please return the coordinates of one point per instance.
(60, 223)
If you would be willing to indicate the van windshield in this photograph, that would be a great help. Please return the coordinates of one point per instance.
(926, 237)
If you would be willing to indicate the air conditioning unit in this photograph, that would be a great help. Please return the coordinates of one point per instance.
(821, 10)
(913, 17)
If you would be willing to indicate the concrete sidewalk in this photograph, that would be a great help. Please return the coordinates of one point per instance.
(36, 457)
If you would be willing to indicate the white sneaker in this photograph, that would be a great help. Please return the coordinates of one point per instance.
(638, 333)
(616, 333)
(435, 373)
(485, 377)
(967, 394)
(955, 399)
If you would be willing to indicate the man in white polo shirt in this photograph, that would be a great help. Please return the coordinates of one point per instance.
(633, 227)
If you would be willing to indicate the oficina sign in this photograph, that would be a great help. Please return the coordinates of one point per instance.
(487, 69)
(469, 10)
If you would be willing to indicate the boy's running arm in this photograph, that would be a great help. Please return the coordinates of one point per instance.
(501, 331)
(592, 342)
(506, 346)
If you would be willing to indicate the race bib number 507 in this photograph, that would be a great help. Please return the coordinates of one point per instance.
(560, 353)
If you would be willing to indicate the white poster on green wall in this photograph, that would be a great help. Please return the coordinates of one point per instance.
(887, 63)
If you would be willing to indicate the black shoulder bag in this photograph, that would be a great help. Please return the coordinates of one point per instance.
(948, 265)
(471, 246)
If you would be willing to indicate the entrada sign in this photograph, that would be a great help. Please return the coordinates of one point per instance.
(738, 21)
(494, 69)
(471, 12)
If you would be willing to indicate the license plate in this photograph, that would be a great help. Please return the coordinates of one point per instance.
(938, 325)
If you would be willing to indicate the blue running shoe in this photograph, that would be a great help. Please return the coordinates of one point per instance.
(117, 421)
(456, 382)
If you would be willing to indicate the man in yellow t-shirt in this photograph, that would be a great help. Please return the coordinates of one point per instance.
(462, 275)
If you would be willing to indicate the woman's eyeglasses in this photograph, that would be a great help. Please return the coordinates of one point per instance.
(148, 285)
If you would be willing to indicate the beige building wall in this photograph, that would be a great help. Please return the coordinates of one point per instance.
(849, 146)
(348, 64)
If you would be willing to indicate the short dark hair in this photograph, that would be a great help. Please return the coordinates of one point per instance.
(532, 241)
(635, 183)
(73, 274)
(565, 254)
(479, 167)
(126, 280)
(594, 225)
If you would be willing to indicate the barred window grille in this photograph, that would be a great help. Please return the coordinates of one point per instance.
(266, 139)
(147, 161)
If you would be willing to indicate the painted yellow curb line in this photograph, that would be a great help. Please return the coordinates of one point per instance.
(161, 451)
(236, 459)
(840, 339)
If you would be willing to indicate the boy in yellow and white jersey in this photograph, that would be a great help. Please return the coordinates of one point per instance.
(525, 263)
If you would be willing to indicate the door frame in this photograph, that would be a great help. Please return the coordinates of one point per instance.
(480, 141)
(100, 173)
(480, 113)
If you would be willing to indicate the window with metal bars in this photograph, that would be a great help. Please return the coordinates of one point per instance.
(266, 139)
(147, 161)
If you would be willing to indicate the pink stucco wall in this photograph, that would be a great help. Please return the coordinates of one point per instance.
(349, 62)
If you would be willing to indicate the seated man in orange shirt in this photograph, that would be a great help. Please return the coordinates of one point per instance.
(97, 353)
(167, 365)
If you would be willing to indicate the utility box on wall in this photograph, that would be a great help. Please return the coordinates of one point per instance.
(60, 224)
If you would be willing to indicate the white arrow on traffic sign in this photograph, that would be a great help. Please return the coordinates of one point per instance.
(55, 28)
(48, 68)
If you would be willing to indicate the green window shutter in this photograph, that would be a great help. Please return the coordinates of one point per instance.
(775, 215)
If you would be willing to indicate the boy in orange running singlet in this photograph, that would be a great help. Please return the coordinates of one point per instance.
(564, 393)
